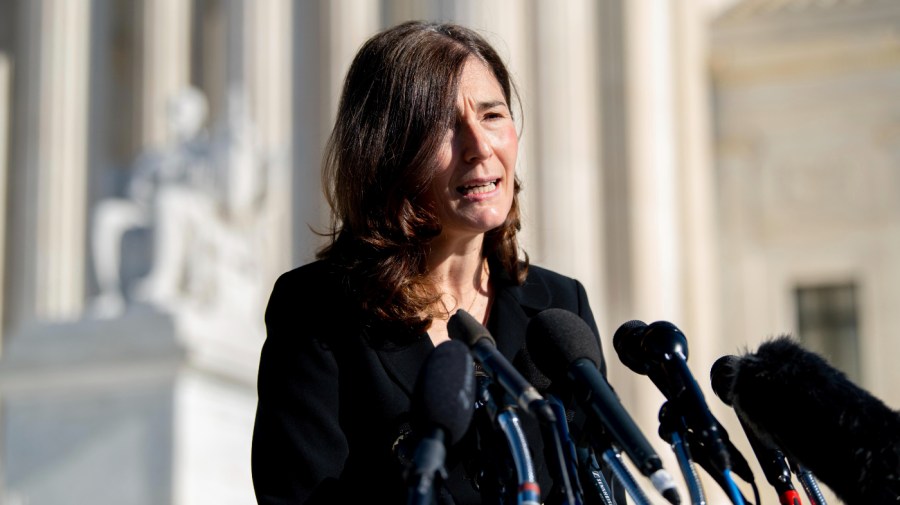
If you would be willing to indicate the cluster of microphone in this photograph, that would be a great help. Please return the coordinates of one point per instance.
(801, 417)
(804, 416)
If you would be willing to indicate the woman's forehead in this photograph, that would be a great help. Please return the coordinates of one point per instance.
(478, 82)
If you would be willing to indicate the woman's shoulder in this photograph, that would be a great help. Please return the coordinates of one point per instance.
(320, 276)
(313, 286)
(549, 278)
(544, 288)
(316, 270)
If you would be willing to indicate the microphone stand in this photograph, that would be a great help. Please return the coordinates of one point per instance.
(588, 462)
(613, 458)
(505, 419)
(808, 482)
(672, 430)
(566, 468)
(555, 428)
(691, 478)
(774, 467)
(491, 479)
(428, 463)
(528, 492)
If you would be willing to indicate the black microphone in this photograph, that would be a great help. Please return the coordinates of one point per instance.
(659, 350)
(465, 328)
(771, 459)
(794, 399)
(442, 406)
(566, 349)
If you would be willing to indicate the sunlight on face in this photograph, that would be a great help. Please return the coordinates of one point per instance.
(473, 187)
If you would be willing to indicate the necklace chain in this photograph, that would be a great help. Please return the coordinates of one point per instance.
(478, 288)
(480, 281)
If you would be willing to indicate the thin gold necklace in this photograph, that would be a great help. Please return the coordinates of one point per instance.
(480, 282)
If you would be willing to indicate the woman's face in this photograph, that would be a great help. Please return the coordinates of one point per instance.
(473, 186)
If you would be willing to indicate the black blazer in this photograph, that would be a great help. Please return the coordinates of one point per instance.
(334, 392)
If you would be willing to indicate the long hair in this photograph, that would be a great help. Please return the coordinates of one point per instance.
(399, 98)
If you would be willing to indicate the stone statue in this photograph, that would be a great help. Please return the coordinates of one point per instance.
(175, 165)
(207, 202)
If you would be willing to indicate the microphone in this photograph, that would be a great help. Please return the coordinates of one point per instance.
(441, 409)
(566, 349)
(659, 350)
(462, 326)
(794, 399)
(771, 459)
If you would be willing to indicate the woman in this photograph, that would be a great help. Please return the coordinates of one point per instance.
(420, 175)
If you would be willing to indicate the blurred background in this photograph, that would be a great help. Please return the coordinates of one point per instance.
(732, 166)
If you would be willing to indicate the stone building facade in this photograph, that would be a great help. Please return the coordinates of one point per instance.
(731, 167)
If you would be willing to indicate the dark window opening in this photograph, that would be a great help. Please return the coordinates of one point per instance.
(828, 323)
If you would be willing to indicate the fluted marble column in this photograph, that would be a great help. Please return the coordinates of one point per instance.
(265, 59)
(326, 37)
(309, 130)
(701, 308)
(164, 69)
(5, 115)
(565, 179)
(49, 170)
(350, 23)
(653, 185)
(659, 196)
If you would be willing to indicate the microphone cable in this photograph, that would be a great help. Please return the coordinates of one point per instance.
(673, 430)
(691, 477)
(613, 459)
(528, 491)
(504, 419)
(733, 492)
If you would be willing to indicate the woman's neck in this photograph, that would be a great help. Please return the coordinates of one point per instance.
(460, 273)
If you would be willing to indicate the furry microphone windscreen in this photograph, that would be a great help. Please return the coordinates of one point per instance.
(848, 438)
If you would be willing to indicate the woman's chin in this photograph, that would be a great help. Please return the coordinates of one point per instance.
(473, 228)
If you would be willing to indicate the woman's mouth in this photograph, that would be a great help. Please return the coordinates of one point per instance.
(478, 188)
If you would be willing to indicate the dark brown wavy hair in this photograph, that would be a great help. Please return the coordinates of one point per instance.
(398, 100)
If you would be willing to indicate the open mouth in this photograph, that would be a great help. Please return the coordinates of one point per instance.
(478, 188)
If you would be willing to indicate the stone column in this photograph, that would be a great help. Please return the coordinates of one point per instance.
(49, 170)
(266, 72)
(653, 169)
(659, 198)
(640, 193)
(5, 115)
(701, 308)
(664, 173)
(327, 36)
(350, 23)
(164, 69)
(308, 209)
(564, 182)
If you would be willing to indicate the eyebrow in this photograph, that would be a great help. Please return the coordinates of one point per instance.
(491, 104)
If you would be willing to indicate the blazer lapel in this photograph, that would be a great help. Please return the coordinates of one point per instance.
(403, 362)
(513, 308)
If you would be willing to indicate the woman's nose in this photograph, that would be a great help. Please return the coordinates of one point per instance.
(476, 144)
